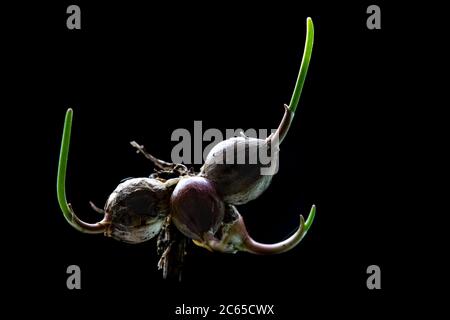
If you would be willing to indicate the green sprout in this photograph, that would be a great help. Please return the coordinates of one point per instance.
(304, 65)
(62, 169)
(61, 183)
(310, 218)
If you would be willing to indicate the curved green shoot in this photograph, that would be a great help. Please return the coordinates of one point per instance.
(66, 209)
(304, 65)
(62, 169)
(310, 218)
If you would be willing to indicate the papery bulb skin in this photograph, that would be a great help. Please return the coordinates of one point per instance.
(196, 208)
(136, 209)
(237, 169)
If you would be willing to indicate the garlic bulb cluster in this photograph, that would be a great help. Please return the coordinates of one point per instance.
(201, 206)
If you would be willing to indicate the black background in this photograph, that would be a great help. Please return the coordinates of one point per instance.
(138, 72)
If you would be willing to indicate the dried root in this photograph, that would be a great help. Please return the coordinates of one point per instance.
(171, 246)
